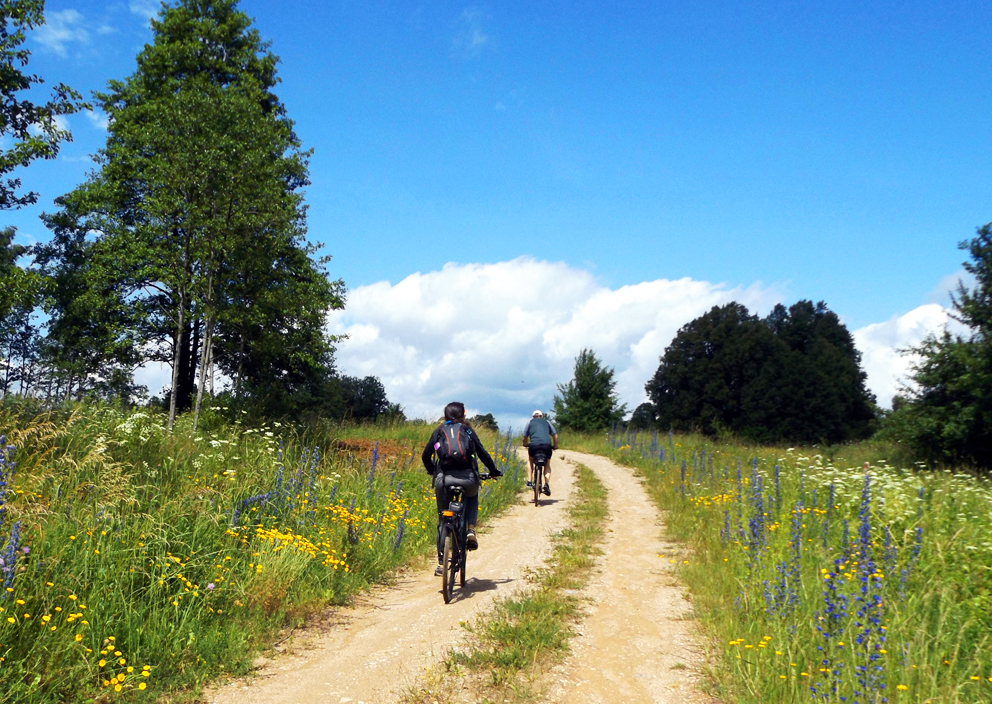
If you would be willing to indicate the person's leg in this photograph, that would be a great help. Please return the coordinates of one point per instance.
(471, 516)
(530, 468)
(441, 497)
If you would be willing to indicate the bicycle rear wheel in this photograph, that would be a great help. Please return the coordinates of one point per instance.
(449, 566)
(538, 482)
(463, 561)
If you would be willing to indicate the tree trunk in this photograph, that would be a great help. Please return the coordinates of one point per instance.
(205, 353)
(176, 356)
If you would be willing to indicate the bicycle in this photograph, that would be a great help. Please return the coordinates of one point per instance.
(540, 462)
(453, 535)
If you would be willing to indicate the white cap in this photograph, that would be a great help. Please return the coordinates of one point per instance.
(537, 414)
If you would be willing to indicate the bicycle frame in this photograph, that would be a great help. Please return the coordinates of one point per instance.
(453, 535)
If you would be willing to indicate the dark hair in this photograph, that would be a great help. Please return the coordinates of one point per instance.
(455, 411)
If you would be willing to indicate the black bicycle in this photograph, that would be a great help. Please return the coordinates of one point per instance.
(453, 535)
(540, 462)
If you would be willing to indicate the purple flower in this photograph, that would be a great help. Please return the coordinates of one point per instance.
(210, 586)
(25, 549)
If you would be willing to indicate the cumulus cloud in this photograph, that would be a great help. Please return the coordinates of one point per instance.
(501, 336)
(62, 28)
(881, 346)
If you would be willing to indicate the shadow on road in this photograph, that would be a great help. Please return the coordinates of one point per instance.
(474, 585)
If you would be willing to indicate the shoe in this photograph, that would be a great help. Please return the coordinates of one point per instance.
(546, 490)
(439, 570)
(530, 484)
(470, 541)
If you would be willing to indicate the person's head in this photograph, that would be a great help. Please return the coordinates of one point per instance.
(455, 411)
(537, 414)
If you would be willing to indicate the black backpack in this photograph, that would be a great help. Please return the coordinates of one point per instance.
(454, 449)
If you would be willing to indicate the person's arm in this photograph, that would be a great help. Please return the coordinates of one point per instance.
(554, 441)
(427, 457)
(483, 454)
(525, 440)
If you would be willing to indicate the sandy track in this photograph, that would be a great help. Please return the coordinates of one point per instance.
(635, 644)
(381, 645)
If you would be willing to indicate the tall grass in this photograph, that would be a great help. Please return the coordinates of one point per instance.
(138, 561)
(828, 580)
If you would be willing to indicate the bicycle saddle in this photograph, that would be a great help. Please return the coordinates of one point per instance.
(467, 484)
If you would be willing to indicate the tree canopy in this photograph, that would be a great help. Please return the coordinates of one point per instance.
(947, 412)
(796, 376)
(33, 129)
(588, 403)
(190, 237)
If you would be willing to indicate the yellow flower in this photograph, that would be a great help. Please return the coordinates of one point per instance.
(102, 663)
(142, 685)
(118, 688)
(901, 687)
(79, 637)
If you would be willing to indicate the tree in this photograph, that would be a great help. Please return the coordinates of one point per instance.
(197, 205)
(485, 421)
(365, 398)
(704, 373)
(643, 417)
(35, 134)
(793, 376)
(946, 415)
(34, 129)
(588, 403)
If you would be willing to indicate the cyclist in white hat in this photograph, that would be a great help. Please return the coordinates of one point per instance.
(540, 435)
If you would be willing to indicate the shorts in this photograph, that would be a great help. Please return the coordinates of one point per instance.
(546, 449)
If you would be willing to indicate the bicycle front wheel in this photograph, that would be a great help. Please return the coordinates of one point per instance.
(449, 565)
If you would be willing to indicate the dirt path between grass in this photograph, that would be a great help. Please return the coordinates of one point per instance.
(374, 650)
(635, 643)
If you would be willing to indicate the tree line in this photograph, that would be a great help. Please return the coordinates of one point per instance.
(795, 376)
(186, 244)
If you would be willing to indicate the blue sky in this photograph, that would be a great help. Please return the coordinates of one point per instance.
(802, 150)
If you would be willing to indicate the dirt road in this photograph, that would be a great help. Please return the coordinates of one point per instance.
(635, 645)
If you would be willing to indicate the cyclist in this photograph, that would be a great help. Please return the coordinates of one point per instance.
(540, 435)
(456, 448)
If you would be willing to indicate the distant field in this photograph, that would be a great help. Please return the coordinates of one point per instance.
(135, 561)
(827, 579)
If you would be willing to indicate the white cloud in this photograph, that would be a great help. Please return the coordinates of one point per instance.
(949, 285)
(145, 8)
(157, 376)
(880, 345)
(60, 29)
(501, 336)
(99, 119)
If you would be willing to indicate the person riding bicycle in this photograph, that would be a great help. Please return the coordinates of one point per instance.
(540, 436)
(452, 452)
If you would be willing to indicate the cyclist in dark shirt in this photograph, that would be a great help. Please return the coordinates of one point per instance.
(540, 435)
(454, 413)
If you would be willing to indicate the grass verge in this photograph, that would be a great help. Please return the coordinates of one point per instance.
(523, 635)
(138, 563)
(822, 575)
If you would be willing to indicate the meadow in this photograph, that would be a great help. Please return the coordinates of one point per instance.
(829, 577)
(138, 563)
